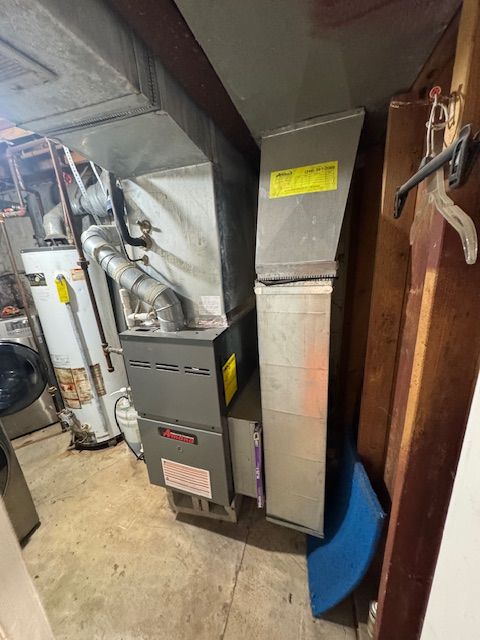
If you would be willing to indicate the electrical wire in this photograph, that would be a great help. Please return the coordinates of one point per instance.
(124, 247)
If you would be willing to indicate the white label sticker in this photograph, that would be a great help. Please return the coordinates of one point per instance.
(186, 478)
(210, 306)
(19, 328)
(59, 360)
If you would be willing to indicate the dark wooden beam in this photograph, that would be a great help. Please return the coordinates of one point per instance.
(366, 199)
(379, 430)
(403, 152)
(163, 29)
(438, 68)
(441, 382)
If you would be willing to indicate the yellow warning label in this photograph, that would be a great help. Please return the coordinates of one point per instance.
(62, 290)
(230, 378)
(309, 179)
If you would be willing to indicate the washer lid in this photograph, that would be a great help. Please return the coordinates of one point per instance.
(23, 377)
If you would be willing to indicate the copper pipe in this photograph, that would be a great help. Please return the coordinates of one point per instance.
(82, 261)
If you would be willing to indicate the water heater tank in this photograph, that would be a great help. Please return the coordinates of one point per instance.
(42, 266)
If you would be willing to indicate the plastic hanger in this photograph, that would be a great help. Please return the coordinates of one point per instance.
(435, 195)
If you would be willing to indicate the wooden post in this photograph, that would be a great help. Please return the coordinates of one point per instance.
(440, 384)
(403, 152)
(379, 428)
(363, 233)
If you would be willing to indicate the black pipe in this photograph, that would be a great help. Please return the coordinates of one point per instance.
(82, 261)
(118, 209)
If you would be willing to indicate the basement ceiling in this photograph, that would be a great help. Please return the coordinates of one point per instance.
(282, 61)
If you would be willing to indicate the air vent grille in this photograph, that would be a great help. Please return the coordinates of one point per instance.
(197, 371)
(10, 68)
(163, 366)
(14, 66)
(140, 364)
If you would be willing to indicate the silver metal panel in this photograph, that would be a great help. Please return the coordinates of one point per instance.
(284, 61)
(42, 412)
(175, 379)
(170, 131)
(135, 146)
(14, 490)
(89, 55)
(38, 415)
(203, 233)
(242, 450)
(297, 235)
(98, 89)
(293, 336)
(185, 253)
(243, 420)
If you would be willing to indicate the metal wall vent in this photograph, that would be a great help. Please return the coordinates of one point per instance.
(17, 69)
(197, 371)
(140, 364)
(167, 367)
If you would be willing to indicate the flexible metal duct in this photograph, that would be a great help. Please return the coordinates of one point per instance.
(99, 244)
(94, 204)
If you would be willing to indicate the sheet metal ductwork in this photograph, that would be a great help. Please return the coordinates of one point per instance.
(99, 244)
(94, 204)
(305, 177)
(97, 89)
(78, 73)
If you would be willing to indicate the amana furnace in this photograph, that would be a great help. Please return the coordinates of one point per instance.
(183, 384)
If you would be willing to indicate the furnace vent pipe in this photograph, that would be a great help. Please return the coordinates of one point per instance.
(99, 244)
(95, 204)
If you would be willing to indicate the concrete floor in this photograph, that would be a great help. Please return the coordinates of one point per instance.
(112, 562)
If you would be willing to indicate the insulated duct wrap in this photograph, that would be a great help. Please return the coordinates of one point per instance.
(99, 244)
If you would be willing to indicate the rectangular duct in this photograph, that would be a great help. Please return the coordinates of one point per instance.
(101, 92)
(203, 234)
(305, 176)
(81, 75)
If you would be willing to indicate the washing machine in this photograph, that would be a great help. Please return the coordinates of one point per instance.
(14, 490)
(25, 402)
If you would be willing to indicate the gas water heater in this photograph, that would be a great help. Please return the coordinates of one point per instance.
(72, 340)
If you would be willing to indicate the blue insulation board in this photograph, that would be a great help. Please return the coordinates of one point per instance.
(353, 524)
